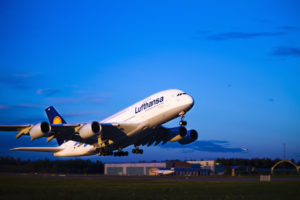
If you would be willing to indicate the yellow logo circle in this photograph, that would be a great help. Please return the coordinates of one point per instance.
(57, 120)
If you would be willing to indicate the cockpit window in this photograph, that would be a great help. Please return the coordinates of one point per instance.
(179, 94)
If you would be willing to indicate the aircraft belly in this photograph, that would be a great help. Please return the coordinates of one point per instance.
(140, 133)
(76, 151)
(154, 121)
(164, 117)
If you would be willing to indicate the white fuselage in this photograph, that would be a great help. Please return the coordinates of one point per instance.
(155, 109)
(147, 113)
(163, 172)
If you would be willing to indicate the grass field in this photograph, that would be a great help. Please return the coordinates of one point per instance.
(76, 188)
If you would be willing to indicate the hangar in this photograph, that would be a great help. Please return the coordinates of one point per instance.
(144, 169)
(131, 169)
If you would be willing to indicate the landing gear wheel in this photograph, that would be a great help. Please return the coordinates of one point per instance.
(121, 153)
(137, 151)
(183, 123)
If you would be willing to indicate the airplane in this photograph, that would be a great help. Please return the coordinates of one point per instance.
(164, 171)
(139, 124)
(244, 149)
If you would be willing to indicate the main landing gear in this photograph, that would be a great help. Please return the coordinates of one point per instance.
(182, 122)
(137, 150)
(105, 153)
(121, 153)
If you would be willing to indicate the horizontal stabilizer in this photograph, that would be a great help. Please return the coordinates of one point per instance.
(41, 149)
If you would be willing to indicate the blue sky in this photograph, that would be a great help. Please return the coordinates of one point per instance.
(238, 59)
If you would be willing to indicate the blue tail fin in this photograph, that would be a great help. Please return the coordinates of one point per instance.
(55, 118)
(173, 165)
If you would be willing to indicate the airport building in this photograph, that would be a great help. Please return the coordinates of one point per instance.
(189, 168)
(131, 169)
(204, 164)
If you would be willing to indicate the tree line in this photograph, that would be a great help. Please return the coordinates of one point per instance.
(254, 162)
(75, 166)
(79, 166)
(256, 166)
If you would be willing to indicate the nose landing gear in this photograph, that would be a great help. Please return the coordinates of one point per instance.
(182, 122)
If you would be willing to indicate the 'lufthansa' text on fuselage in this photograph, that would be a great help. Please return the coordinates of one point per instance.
(149, 104)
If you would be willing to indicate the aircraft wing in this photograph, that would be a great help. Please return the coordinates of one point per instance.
(22, 129)
(41, 149)
(112, 131)
(58, 128)
(13, 127)
(25, 129)
(163, 135)
(116, 131)
(156, 135)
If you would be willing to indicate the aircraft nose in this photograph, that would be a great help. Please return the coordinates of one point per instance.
(190, 101)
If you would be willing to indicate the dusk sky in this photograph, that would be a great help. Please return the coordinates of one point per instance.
(240, 60)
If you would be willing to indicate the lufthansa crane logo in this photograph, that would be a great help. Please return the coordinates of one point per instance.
(57, 120)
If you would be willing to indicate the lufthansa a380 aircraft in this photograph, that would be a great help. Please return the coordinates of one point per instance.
(139, 124)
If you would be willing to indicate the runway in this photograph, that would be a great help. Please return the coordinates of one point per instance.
(153, 178)
(65, 186)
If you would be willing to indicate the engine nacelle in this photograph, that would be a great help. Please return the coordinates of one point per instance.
(176, 134)
(89, 130)
(39, 130)
(191, 136)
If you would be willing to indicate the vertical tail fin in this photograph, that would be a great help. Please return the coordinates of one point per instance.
(55, 118)
(173, 166)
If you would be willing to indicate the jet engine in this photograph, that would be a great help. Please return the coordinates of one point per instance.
(176, 134)
(39, 130)
(191, 136)
(89, 130)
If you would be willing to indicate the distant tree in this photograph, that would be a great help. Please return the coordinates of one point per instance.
(9, 164)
